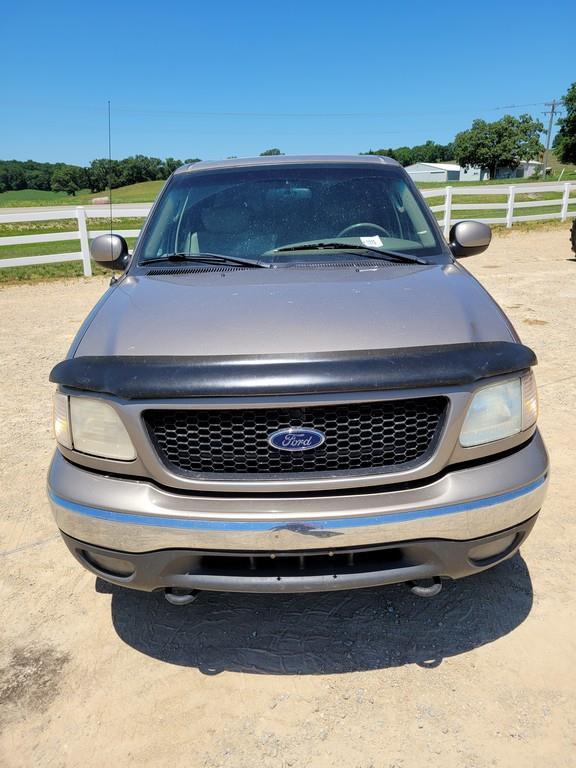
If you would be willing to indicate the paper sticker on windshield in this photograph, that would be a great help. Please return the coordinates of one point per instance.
(371, 242)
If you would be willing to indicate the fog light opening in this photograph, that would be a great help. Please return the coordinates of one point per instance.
(109, 566)
(494, 549)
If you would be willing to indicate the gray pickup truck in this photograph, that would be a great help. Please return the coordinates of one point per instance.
(294, 386)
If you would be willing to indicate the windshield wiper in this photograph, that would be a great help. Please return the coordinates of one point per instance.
(209, 258)
(371, 253)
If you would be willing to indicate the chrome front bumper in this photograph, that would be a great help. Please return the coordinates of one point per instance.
(137, 516)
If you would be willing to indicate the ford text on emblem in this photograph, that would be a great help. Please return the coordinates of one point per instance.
(296, 439)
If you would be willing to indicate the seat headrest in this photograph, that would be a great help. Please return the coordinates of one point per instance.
(226, 219)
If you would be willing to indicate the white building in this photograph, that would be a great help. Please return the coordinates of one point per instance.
(445, 172)
(525, 169)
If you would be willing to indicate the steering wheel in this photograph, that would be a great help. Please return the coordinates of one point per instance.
(362, 224)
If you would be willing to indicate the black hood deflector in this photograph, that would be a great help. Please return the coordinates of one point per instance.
(140, 377)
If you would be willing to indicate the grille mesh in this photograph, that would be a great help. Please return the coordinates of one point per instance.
(359, 436)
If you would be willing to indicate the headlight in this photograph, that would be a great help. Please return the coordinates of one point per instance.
(91, 426)
(62, 420)
(500, 410)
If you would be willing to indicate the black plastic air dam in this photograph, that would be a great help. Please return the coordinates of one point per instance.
(147, 377)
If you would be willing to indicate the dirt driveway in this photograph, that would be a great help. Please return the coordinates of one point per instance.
(482, 676)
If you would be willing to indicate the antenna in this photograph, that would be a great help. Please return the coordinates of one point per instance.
(110, 169)
(113, 278)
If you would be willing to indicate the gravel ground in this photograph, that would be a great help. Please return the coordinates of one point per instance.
(481, 676)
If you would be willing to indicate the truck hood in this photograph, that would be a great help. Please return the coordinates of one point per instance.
(257, 311)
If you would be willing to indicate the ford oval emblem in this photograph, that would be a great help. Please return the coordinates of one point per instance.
(296, 439)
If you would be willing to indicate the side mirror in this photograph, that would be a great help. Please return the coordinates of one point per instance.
(469, 237)
(110, 251)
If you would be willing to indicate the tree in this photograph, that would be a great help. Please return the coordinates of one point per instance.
(11, 175)
(270, 152)
(139, 168)
(26, 174)
(565, 140)
(503, 143)
(67, 178)
(430, 152)
(169, 166)
(30, 174)
(99, 172)
(404, 155)
(38, 175)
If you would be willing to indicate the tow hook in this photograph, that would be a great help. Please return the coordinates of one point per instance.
(181, 596)
(419, 589)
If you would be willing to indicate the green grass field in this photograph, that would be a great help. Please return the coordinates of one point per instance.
(27, 197)
(145, 192)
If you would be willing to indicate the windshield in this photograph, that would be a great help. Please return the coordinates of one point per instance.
(252, 212)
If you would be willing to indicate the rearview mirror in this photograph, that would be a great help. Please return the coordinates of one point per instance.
(110, 251)
(469, 237)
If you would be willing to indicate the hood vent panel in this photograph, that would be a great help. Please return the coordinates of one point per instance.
(210, 269)
(156, 272)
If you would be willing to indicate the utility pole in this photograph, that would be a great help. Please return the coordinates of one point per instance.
(553, 106)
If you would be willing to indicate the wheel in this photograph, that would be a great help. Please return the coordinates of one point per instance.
(573, 236)
(362, 224)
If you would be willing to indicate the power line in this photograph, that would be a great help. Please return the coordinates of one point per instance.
(517, 106)
(136, 111)
(185, 113)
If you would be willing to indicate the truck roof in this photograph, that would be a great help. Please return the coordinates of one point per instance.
(249, 162)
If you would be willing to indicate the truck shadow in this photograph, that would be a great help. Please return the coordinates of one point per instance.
(324, 633)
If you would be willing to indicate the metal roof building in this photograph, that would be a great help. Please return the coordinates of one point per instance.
(443, 172)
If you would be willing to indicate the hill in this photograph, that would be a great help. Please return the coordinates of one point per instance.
(569, 170)
(145, 192)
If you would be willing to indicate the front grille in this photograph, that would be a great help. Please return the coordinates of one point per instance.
(377, 436)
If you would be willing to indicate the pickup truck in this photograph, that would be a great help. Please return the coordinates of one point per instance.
(294, 385)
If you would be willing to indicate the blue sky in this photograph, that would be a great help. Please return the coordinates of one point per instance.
(212, 79)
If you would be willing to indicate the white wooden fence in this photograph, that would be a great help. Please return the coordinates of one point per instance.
(449, 209)
(82, 233)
